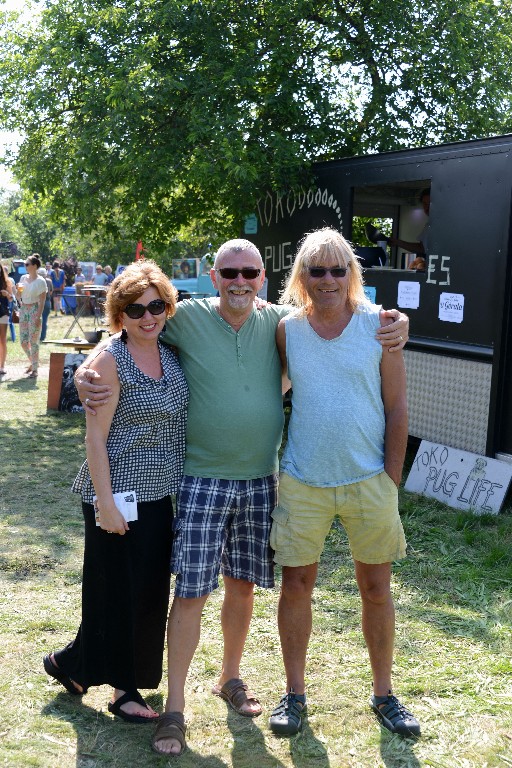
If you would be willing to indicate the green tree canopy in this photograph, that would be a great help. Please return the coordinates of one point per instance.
(27, 222)
(151, 114)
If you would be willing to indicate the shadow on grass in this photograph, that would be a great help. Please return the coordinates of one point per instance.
(306, 750)
(20, 385)
(397, 752)
(102, 740)
(249, 748)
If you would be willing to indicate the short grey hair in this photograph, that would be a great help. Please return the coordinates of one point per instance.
(237, 246)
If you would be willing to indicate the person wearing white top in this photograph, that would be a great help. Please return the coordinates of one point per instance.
(31, 291)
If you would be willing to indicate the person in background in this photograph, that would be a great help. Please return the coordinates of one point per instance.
(48, 302)
(6, 293)
(100, 278)
(345, 459)
(135, 448)
(79, 276)
(185, 268)
(31, 291)
(108, 272)
(421, 246)
(58, 277)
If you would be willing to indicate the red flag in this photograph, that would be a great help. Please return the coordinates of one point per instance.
(139, 251)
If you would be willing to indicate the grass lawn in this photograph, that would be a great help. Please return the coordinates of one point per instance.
(453, 664)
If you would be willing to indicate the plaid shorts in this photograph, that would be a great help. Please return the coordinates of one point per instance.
(222, 526)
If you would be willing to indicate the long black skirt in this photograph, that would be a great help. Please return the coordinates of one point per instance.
(125, 601)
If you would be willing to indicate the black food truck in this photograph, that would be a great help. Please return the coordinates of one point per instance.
(459, 357)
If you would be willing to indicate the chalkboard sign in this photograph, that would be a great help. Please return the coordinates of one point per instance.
(460, 479)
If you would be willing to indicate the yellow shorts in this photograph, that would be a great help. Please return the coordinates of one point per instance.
(368, 511)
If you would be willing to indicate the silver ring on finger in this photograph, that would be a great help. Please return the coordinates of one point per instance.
(400, 337)
(87, 399)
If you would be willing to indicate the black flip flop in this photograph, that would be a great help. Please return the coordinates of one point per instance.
(51, 669)
(115, 708)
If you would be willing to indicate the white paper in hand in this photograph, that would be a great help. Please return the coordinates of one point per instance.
(126, 503)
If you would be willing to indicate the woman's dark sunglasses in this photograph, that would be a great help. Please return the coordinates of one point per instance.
(136, 311)
(322, 271)
(230, 273)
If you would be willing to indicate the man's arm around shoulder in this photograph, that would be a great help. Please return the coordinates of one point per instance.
(394, 329)
(394, 396)
(281, 348)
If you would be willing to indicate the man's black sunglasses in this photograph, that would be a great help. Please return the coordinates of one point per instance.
(136, 311)
(322, 271)
(230, 273)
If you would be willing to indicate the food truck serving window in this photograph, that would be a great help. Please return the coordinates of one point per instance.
(391, 223)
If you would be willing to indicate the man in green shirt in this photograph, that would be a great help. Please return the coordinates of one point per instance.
(228, 354)
(229, 489)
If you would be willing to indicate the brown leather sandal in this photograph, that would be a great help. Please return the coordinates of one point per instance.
(171, 725)
(236, 693)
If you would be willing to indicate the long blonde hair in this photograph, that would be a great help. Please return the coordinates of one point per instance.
(320, 248)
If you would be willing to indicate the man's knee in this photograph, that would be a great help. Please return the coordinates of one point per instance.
(239, 588)
(374, 582)
(298, 582)
(187, 605)
(375, 594)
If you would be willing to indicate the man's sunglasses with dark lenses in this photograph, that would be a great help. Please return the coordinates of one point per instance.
(322, 271)
(230, 273)
(136, 311)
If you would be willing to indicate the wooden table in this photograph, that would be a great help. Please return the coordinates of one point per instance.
(78, 344)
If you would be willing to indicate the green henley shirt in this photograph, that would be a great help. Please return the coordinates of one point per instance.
(235, 412)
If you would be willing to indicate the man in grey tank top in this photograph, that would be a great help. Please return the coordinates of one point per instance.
(346, 445)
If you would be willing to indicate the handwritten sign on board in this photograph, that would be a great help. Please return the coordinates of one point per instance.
(460, 479)
(408, 294)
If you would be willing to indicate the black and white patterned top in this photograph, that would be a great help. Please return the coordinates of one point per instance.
(146, 442)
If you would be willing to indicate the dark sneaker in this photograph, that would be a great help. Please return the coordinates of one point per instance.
(286, 719)
(394, 716)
